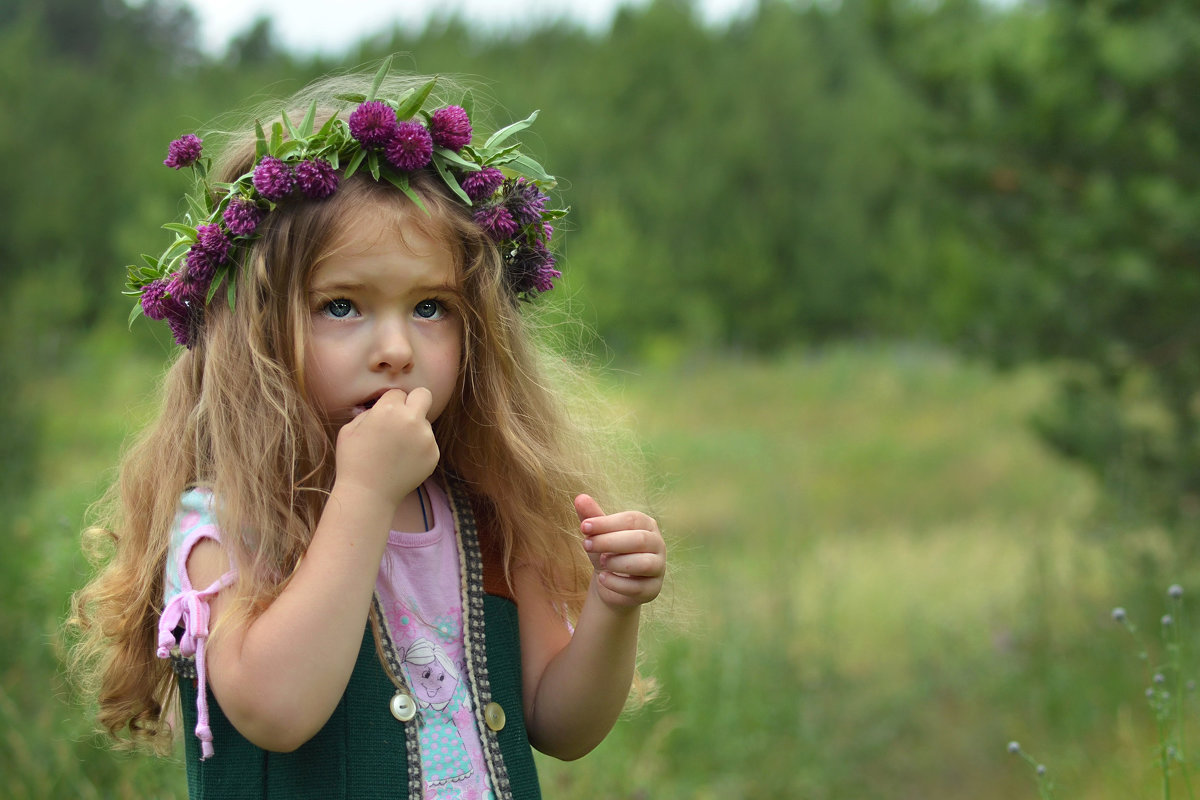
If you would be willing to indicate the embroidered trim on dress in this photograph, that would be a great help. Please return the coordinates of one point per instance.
(474, 644)
(474, 641)
(385, 648)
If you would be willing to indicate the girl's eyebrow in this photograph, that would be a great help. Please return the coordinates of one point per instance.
(321, 287)
(441, 288)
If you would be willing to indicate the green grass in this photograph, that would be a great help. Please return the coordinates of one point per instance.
(878, 578)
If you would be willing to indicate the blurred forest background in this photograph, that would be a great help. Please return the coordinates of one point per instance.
(900, 294)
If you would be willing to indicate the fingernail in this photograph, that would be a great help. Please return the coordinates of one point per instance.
(587, 544)
(586, 527)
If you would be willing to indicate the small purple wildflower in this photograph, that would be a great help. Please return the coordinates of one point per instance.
(184, 151)
(531, 269)
(526, 201)
(410, 148)
(1167, 620)
(1118, 614)
(316, 178)
(497, 222)
(153, 299)
(546, 277)
(1175, 591)
(177, 308)
(482, 184)
(1014, 747)
(273, 178)
(373, 123)
(242, 215)
(208, 253)
(179, 318)
(450, 127)
(186, 292)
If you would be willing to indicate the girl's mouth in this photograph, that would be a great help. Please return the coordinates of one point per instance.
(366, 405)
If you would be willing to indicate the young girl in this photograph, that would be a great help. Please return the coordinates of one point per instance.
(353, 541)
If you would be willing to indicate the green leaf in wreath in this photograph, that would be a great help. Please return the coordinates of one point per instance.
(260, 141)
(450, 180)
(187, 231)
(508, 130)
(401, 183)
(306, 124)
(355, 162)
(409, 107)
(379, 76)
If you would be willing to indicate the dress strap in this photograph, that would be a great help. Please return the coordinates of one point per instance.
(189, 611)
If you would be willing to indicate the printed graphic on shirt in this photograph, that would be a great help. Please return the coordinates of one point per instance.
(452, 770)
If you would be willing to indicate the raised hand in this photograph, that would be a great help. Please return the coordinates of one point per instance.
(627, 551)
(389, 448)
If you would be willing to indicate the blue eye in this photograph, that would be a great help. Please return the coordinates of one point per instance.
(429, 309)
(339, 308)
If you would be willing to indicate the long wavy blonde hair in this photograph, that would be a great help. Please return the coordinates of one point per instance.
(236, 418)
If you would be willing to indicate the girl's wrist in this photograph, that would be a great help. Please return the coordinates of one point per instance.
(350, 495)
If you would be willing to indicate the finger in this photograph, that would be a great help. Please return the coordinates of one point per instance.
(622, 521)
(634, 565)
(420, 400)
(586, 507)
(626, 541)
(642, 590)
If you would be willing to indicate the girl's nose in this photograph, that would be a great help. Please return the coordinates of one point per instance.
(392, 348)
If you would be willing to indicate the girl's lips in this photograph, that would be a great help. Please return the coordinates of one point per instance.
(368, 404)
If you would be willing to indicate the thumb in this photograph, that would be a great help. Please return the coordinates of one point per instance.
(586, 507)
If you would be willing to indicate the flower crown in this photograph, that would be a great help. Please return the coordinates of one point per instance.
(502, 185)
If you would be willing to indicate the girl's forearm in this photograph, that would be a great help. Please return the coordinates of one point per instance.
(585, 686)
(279, 681)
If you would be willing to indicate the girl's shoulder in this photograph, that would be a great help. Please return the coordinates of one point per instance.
(193, 518)
(194, 513)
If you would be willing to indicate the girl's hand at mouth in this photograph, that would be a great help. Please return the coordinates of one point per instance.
(390, 450)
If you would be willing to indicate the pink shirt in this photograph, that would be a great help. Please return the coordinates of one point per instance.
(418, 586)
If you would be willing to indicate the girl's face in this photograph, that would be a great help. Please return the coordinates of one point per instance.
(384, 315)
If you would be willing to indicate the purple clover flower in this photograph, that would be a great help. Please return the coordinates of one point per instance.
(497, 222)
(526, 201)
(546, 275)
(482, 184)
(532, 269)
(411, 147)
(373, 123)
(316, 178)
(179, 319)
(273, 178)
(154, 298)
(207, 253)
(450, 127)
(242, 216)
(184, 151)
(179, 307)
(187, 291)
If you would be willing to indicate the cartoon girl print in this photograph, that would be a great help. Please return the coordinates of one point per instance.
(436, 683)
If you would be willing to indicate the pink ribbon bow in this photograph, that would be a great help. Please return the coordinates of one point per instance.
(189, 610)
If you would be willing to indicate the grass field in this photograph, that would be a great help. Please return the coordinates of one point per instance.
(879, 577)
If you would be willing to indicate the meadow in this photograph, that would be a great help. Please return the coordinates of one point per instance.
(879, 577)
